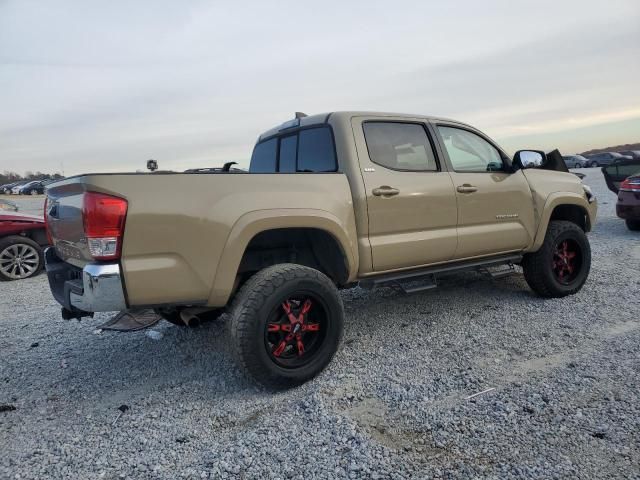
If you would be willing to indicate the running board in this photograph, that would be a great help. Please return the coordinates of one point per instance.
(412, 281)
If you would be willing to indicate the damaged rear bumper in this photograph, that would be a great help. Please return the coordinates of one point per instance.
(97, 287)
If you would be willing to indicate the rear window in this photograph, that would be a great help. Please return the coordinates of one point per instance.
(288, 149)
(263, 159)
(308, 150)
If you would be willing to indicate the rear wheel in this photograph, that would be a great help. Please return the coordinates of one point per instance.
(633, 225)
(594, 164)
(286, 324)
(34, 192)
(561, 266)
(20, 257)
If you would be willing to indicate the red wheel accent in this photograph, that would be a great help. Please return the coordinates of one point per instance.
(567, 261)
(279, 349)
(290, 334)
(300, 344)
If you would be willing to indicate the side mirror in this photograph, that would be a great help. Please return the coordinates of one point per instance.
(529, 158)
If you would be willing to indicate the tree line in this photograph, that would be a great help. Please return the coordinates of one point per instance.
(10, 177)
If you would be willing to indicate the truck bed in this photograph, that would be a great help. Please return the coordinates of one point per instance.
(183, 231)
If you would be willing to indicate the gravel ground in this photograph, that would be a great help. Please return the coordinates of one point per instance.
(391, 405)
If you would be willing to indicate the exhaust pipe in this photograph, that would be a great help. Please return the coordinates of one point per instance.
(189, 318)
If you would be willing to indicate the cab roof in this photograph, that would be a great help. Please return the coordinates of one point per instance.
(323, 118)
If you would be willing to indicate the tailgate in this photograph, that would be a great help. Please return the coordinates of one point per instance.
(64, 221)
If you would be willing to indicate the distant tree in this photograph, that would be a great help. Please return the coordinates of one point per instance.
(10, 177)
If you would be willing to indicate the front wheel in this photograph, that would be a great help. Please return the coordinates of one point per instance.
(594, 165)
(633, 225)
(286, 324)
(561, 266)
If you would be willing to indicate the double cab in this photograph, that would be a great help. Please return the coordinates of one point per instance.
(328, 201)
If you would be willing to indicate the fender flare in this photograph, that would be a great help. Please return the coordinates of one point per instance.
(252, 223)
(555, 200)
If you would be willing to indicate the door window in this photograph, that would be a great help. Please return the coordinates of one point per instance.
(399, 146)
(469, 152)
(315, 151)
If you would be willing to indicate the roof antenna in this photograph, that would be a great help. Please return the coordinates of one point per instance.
(301, 115)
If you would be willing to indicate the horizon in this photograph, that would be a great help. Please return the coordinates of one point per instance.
(104, 87)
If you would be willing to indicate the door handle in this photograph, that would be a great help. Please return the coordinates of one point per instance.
(385, 191)
(466, 188)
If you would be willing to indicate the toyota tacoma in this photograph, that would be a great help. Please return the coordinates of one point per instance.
(329, 201)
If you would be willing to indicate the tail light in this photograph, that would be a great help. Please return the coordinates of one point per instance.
(103, 217)
(46, 221)
(630, 185)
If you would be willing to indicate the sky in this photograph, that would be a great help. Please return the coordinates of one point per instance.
(103, 86)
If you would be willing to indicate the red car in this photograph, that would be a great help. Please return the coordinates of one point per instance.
(22, 238)
(624, 179)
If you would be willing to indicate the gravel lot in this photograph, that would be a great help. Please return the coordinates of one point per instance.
(566, 375)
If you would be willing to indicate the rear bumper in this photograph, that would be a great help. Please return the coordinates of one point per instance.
(95, 288)
(628, 206)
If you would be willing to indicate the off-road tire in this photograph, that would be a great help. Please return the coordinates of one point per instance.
(256, 301)
(538, 266)
(20, 240)
(633, 225)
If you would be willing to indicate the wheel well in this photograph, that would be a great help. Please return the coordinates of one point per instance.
(311, 247)
(572, 213)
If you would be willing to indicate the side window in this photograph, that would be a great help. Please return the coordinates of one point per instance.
(399, 146)
(469, 152)
(315, 151)
(263, 159)
(288, 147)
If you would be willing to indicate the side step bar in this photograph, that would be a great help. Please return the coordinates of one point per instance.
(412, 281)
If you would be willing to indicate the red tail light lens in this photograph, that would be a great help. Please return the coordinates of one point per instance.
(630, 185)
(103, 217)
(46, 221)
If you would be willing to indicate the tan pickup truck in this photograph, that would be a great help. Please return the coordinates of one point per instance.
(329, 201)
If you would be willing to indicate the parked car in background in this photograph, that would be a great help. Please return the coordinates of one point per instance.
(6, 189)
(605, 158)
(631, 153)
(22, 239)
(623, 179)
(575, 161)
(35, 187)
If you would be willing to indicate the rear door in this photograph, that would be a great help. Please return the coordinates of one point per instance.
(495, 205)
(411, 202)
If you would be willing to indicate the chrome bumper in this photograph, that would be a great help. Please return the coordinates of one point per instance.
(96, 288)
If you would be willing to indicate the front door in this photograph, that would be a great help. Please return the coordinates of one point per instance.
(495, 206)
(411, 201)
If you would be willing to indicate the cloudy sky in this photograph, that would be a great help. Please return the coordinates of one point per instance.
(104, 86)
